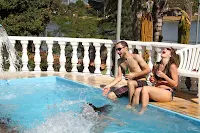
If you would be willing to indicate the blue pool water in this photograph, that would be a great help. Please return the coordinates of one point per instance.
(54, 105)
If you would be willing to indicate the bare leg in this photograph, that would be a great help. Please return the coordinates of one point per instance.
(136, 96)
(131, 85)
(155, 93)
(112, 96)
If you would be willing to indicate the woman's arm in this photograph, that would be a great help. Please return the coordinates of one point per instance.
(174, 74)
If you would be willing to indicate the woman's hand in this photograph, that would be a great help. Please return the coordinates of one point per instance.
(152, 79)
(160, 74)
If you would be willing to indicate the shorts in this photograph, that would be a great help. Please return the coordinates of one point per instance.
(123, 91)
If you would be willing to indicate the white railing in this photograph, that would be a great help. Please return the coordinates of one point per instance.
(152, 47)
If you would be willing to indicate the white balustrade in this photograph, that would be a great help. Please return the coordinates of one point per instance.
(74, 56)
(86, 59)
(37, 57)
(50, 58)
(109, 59)
(12, 58)
(158, 54)
(62, 56)
(140, 49)
(24, 56)
(151, 52)
(97, 58)
(153, 47)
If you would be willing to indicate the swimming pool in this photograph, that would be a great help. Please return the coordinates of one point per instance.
(54, 104)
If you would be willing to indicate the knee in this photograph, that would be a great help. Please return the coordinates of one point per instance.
(131, 83)
(112, 96)
(144, 89)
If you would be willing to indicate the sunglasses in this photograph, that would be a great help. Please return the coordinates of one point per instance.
(119, 49)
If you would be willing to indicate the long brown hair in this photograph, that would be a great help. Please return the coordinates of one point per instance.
(174, 59)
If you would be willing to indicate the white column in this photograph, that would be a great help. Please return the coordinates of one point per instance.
(140, 50)
(62, 57)
(86, 59)
(24, 56)
(97, 58)
(50, 56)
(151, 56)
(158, 52)
(130, 48)
(12, 58)
(108, 61)
(37, 57)
(74, 56)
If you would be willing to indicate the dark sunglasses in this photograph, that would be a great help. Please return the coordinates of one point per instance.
(118, 49)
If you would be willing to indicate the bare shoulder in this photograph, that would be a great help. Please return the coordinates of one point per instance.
(173, 67)
(136, 56)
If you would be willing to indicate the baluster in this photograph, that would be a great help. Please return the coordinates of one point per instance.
(158, 52)
(108, 61)
(140, 49)
(74, 56)
(37, 57)
(24, 56)
(97, 58)
(50, 58)
(62, 57)
(151, 56)
(132, 48)
(12, 58)
(86, 59)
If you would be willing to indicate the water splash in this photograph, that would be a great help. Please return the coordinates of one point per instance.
(12, 54)
(68, 122)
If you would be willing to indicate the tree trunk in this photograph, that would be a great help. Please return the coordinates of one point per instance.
(188, 8)
(137, 14)
(157, 14)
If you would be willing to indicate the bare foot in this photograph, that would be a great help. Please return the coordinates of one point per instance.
(142, 111)
(134, 109)
(128, 106)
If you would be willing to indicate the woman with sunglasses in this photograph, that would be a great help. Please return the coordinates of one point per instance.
(164, 77)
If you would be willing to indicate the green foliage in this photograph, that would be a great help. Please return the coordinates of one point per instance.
(27, 17)
(80, 22)
(81, 27)
(195, 6)
(109, 23)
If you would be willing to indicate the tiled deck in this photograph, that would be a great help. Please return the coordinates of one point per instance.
(184, 103)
